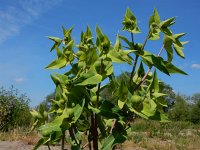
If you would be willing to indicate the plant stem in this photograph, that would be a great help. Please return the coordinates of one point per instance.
(89, 141)
(113, 125)
(48, 146)
(63, 141)
(148, 71)
(72, 134)
(135, 61)
(95, 136)
(137, 56)
(94, 116)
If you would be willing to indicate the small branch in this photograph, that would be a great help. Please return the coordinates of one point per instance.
(63, 141)
(73, 135)
(137, 56)
(113, 125)
(90, 139)
(145, 41)
(161, 50)
(148, 71)
(48, 146)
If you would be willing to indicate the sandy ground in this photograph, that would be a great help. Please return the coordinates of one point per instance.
(17, 145)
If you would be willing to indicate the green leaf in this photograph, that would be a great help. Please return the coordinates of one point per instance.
(157, 95)
(67, 35)
(122, 94)
(48, 128)
(161, 100)
(58, 51)
(154, 85)
(173, 69)
(160, 116)
(156, 16)
(99, 33)
(149, 108)
(41, 142)
(121, 104)
(119, 56)
(117, 45)
(130, 22)
(154, 22)
(57, 41)
(92, 80)
(58, 63)
(167, 23)
(126, 41)
(168, 47)
(178, 50)
(179, 35)
(112, 140)
(152, 60)
(78, 110)
(109, 110)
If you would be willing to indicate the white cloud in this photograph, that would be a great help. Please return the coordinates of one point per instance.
(195, 66)
(19, 80)
(22, 12)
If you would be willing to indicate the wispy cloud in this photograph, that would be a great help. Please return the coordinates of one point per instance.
(19, 79)
(14, 16)
(195, 66)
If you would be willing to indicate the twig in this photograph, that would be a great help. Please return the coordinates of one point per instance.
(137, 56)
(48, 146)
(148, 71)
(113, 125)
(72, 134)
(63, 141)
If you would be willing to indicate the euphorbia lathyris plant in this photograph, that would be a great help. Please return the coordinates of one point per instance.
(78, 105)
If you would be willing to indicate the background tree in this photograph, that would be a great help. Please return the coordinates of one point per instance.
(181, 109)
(14, 109)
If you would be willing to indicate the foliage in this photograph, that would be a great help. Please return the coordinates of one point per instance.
(181, 109)
(186, 108)
(78, 105)
(14, 109)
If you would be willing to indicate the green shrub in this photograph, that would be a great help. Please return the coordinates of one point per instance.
(14, 109)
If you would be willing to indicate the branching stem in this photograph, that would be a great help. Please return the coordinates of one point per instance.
(137, 56)
(148, 71)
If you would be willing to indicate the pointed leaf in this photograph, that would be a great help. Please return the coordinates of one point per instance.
(179, 50)
(173, 69)
(91, 80)
(167, 23)
(130, 22)
(58, 63)
(149, 108)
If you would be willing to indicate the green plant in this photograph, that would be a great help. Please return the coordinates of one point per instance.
(14, 109)
(78, 105)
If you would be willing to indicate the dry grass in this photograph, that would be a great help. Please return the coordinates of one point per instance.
(27, 137)
(144, 136)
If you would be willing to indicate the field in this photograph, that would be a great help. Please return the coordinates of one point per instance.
(145, 135)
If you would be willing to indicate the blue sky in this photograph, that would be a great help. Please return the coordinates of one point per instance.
(24, 48)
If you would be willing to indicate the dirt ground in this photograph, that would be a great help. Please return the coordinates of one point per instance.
(18, 145)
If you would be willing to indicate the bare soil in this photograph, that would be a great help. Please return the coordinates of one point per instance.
(19, 145)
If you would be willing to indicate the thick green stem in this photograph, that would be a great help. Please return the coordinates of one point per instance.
(135, 61)
(94, 116)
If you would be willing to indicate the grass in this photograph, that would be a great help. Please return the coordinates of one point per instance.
(153, 135)
(20, 134)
